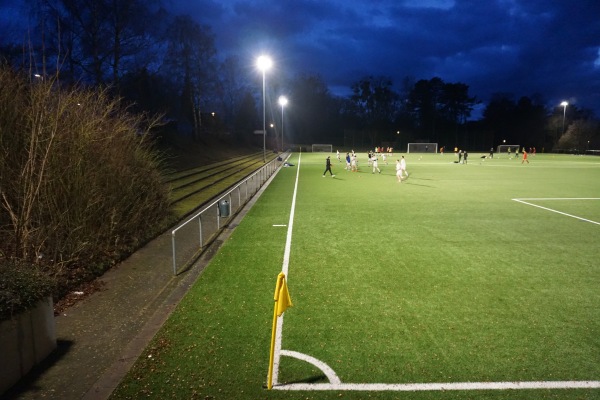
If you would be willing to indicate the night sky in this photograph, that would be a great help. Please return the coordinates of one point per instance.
(524, 48)
(520, 47)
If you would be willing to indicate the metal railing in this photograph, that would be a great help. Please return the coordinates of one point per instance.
(189, 239)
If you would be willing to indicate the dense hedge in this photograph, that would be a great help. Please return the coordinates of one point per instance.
(80, 182)
(22, 286)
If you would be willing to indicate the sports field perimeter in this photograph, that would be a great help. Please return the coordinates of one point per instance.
(464, 281)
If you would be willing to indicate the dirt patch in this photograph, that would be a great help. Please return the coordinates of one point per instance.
(83, 291)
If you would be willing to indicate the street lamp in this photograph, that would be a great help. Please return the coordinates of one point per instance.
(264, 63)
(282, 102)
(564, 104)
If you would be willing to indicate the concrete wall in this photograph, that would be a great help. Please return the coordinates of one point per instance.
(25, 340)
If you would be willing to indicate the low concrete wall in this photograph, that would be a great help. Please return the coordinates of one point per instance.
(25, 341)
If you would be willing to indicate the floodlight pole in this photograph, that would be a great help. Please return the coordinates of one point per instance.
(264, 63)
(264, 120)
(282, 101)
(564, 104)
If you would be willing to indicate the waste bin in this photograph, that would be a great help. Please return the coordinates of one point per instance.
(224, 209)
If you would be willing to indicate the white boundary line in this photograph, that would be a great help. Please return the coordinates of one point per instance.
(284, 269)
(420, 387)
(556, 211)
(337, 385)
(560, 198)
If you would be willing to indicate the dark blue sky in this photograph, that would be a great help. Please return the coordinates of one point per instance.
(515, 46)
(523, 47)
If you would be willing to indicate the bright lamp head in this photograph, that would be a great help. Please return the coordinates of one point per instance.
(264, 63)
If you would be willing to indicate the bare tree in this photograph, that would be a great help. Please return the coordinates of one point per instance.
(376, 104)
(579, 135)
(97, 39)
(190, 65)
(232, 90)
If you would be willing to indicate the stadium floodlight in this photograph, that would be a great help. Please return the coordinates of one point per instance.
(564, 104)
(282, 102)
(264, 63)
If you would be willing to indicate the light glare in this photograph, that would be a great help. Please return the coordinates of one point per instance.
(264, 63)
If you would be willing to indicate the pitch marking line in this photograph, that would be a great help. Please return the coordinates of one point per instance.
(421, 387)
(326, 369)
(284, 269)
(337, 385)
(556, 211)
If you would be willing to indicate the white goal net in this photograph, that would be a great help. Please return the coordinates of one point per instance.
(508, 148)
(322, 148)
(422, 148)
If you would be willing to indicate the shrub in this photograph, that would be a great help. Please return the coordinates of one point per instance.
(80, 183)
(21, 287)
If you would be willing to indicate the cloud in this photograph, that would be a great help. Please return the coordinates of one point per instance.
(519, 46)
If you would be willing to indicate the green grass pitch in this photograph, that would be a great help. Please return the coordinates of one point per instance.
(442, 278)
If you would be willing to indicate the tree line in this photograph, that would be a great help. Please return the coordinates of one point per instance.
(168, 64)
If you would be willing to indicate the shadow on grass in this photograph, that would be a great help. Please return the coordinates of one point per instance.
(311, 379)
(416, 184)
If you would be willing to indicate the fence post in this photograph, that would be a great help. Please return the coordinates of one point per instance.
(200, 229)
(174, 256)
(218, 216)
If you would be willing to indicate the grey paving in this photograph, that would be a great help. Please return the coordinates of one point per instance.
(100, 337)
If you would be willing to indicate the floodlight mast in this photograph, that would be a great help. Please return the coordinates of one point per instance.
(283, 102)
(264, 63)
(564, 104)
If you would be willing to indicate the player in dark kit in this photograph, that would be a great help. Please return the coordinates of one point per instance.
(328, 167)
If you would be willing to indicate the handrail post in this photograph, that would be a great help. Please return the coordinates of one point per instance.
(200, 229)
(218, 215)
(174, 256)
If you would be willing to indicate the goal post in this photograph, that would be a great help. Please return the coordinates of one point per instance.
(505, 148)
(322, 148)
(422, 148)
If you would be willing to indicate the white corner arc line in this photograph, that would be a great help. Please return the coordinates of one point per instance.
(421, 387)
(284, 269)
(326, 369)
(556, 211)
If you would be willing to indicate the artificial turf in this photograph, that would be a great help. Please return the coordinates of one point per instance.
(441, 278)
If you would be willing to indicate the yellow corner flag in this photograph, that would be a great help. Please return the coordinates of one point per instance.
(282, 295)
(282, 302)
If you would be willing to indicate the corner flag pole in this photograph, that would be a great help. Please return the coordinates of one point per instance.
(282, 302)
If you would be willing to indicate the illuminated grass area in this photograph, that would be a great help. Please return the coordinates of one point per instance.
(442, 278)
